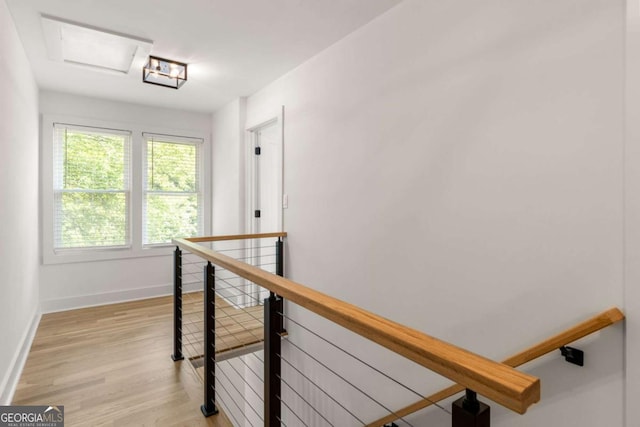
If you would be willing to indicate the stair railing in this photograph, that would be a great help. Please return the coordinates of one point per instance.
(497, 381)
(554, 343)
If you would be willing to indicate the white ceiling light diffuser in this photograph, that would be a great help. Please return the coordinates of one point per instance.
(93, 47)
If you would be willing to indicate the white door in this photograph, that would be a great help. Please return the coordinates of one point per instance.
(267, 211)
(264, 194)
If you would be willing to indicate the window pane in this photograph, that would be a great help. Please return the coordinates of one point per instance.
(91, 219)
(171, 167)
(94, 161)
(91, 187)
(172, 203)
(170, 216)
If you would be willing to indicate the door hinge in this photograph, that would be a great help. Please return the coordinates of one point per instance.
(257, 151)
(256, 213)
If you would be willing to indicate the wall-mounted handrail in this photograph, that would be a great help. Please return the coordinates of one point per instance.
(580, 330)
(498, 382)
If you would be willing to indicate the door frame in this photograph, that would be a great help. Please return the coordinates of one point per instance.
(251, 190)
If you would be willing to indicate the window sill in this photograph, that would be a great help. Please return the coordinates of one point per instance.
(112, 254)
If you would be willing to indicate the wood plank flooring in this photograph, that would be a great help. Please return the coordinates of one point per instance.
(111, 366)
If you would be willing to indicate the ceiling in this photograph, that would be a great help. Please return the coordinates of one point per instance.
(233, 47)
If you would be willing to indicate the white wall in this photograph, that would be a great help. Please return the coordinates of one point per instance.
(72, 285)
(228, 163)
(458, 167)
(19, 239)
(632, 213)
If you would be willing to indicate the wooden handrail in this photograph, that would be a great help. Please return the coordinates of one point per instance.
(235, 237)
(500, 383)
(581, 330)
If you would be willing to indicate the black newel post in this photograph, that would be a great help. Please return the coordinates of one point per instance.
(177, 305)
(272, 362)
(280, 272)
(209, 407)
(468, 411)
(279, 257)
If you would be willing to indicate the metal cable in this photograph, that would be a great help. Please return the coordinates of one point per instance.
(243, 345)
(193, 338)
(321, 389)
(250, 248)
(303, 399)
(239, 392)
(242, 376)
(232, 335)
(291, 410)
(244, 362)
(418, 394)
(348, 382)
(225, 280)
(244, 310)
(223, 402)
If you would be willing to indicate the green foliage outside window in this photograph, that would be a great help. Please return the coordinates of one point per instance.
(92, 190)
(94, 162)
(92, 195)
(91, 220)
(171, 202)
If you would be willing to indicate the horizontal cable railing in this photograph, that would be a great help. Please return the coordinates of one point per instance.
(239, 314)
(499, 382)
(554, 343)
(336, 383)
(305, 373)
(219, 322)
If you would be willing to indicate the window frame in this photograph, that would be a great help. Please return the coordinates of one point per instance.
(59, 190)
(137, 162)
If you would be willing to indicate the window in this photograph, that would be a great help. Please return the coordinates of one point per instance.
(91, 187)
(172, 193)
(114, 190)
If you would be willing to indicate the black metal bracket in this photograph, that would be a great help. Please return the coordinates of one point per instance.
(390, 425)
(573, 355)
(468, 411)
(470, 403)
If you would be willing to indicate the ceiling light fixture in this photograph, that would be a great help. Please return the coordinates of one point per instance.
(164, 72)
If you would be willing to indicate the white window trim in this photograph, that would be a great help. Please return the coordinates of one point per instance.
(136, 250)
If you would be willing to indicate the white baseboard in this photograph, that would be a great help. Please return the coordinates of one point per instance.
(112, 297)
(12, 377)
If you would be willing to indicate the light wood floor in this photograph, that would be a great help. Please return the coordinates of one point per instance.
(111, 366)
